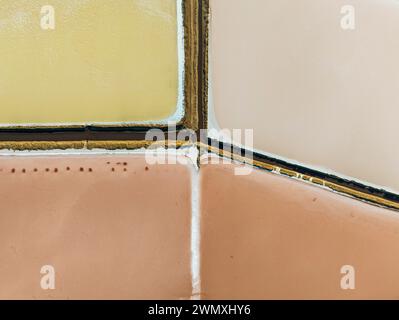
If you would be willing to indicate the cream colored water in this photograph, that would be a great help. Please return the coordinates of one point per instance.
(105, 61)
(311, 91)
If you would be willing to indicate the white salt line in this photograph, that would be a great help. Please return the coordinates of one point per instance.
(195, 236)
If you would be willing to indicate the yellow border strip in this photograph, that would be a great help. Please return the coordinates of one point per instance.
(41, 145)
(191, 49)
(88, 144)
(205, 63)
(132, 145)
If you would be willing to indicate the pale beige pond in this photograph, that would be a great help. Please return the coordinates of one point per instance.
(311, 91)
